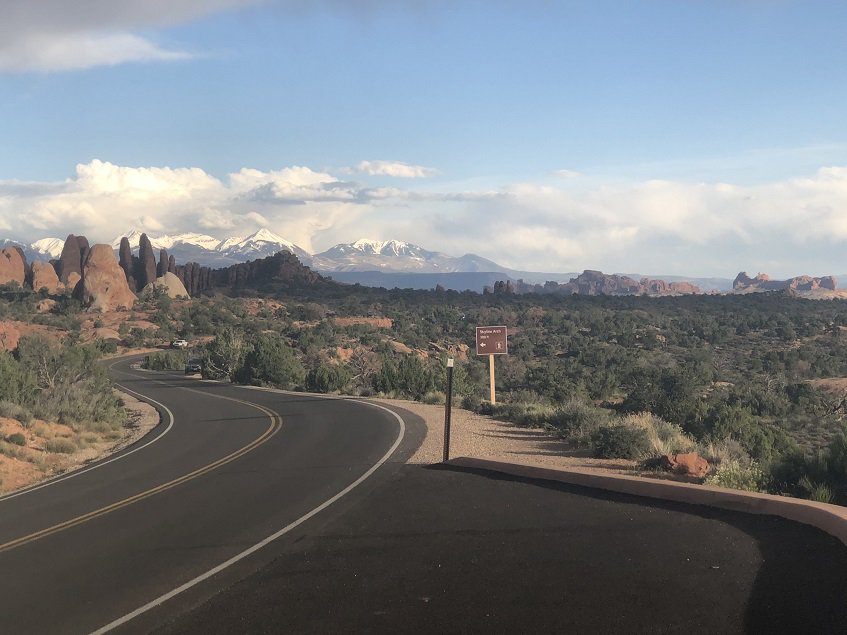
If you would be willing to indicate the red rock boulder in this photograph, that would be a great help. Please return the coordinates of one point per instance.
(686, 464)
(12, 266)
(103, 286)
(44, 277)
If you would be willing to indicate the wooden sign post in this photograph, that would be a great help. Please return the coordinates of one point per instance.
(491, 341)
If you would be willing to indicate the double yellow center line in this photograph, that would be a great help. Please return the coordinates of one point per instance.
(276, 423)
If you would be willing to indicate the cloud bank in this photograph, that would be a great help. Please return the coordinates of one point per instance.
(793, 226)
(57, 35)
(390, 168)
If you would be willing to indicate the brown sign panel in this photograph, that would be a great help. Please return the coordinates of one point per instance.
(491, 340)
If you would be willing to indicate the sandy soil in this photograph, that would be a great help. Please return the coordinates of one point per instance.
(486, 438)
(38, 459)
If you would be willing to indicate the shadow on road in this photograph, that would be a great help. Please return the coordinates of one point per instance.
(801, 584)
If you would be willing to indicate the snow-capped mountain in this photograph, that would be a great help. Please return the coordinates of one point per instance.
(389, 256)
(261, 244)
(169, 242)
(396, 256)
(51, 247)
(214, 252)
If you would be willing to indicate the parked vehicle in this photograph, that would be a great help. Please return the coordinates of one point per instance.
(193, 366)
(179, 343)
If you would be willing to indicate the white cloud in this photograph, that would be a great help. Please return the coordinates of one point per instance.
(566, 174)
(652, 227)
(391, 168)
(57, 35)
(67, 52)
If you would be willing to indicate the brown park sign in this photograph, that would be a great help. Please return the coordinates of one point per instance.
(491, 340)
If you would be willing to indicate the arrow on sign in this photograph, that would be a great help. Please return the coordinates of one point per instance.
(482, 344)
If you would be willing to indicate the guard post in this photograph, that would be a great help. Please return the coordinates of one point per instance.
(448, 402)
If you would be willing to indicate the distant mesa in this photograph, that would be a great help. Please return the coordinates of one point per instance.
(743, 283)
(591, 282)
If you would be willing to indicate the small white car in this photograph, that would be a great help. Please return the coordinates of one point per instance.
(179, 344)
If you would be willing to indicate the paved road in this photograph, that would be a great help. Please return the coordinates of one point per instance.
(446, 550)
(235, 467)
(411, 549)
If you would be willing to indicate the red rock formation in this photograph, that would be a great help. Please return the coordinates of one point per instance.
(145, 273)
(745, 284)
(127, 264)
(828, 282)
(162, 267)
(686, 464)
(103, 286)
(598, 283)
(70, 262)
(12, 266)
(43, 276)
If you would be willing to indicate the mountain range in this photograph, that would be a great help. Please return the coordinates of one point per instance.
(390, 263)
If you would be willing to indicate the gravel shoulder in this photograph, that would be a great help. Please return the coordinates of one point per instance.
(482, 437)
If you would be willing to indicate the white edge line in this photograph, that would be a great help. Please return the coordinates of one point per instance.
(259, 545)
(75, 473)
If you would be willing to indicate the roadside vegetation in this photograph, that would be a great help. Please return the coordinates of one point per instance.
(756, 384)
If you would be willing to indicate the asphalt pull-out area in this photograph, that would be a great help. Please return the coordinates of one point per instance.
(451, 550)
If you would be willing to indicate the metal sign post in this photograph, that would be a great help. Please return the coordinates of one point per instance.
(491, 341)
(447, 406)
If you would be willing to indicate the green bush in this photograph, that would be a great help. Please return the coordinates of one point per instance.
(620, 442)
(107, 346)
(434, 397)
(735, 475)
(819, 492)
(271, 361)
(665, 437)
(14, 411)
(578, 421)
(17, 438)
(169, 360)
(328, 378)
(61, 445)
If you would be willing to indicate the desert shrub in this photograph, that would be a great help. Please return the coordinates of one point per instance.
(107, 346)
(522, 413)
(61, 445)
(471, 402)
(271, 361)
(734, 474)
(665, 437)
(17, 438)
(434, 397)
(578, 421)
(12, 410)
(819, 492)
(168, 360)
(620, 442)
(70, 387)
(717, 451)
(7, 449)
(328, 378)
(17, 382)
(409, 377)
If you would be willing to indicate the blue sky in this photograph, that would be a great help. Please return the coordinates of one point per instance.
(685, 136)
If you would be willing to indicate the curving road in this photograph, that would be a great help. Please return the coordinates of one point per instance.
(249, 511)
(228, 470)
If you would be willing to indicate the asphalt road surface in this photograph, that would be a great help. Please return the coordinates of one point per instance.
(227, 468)
(409, 549)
